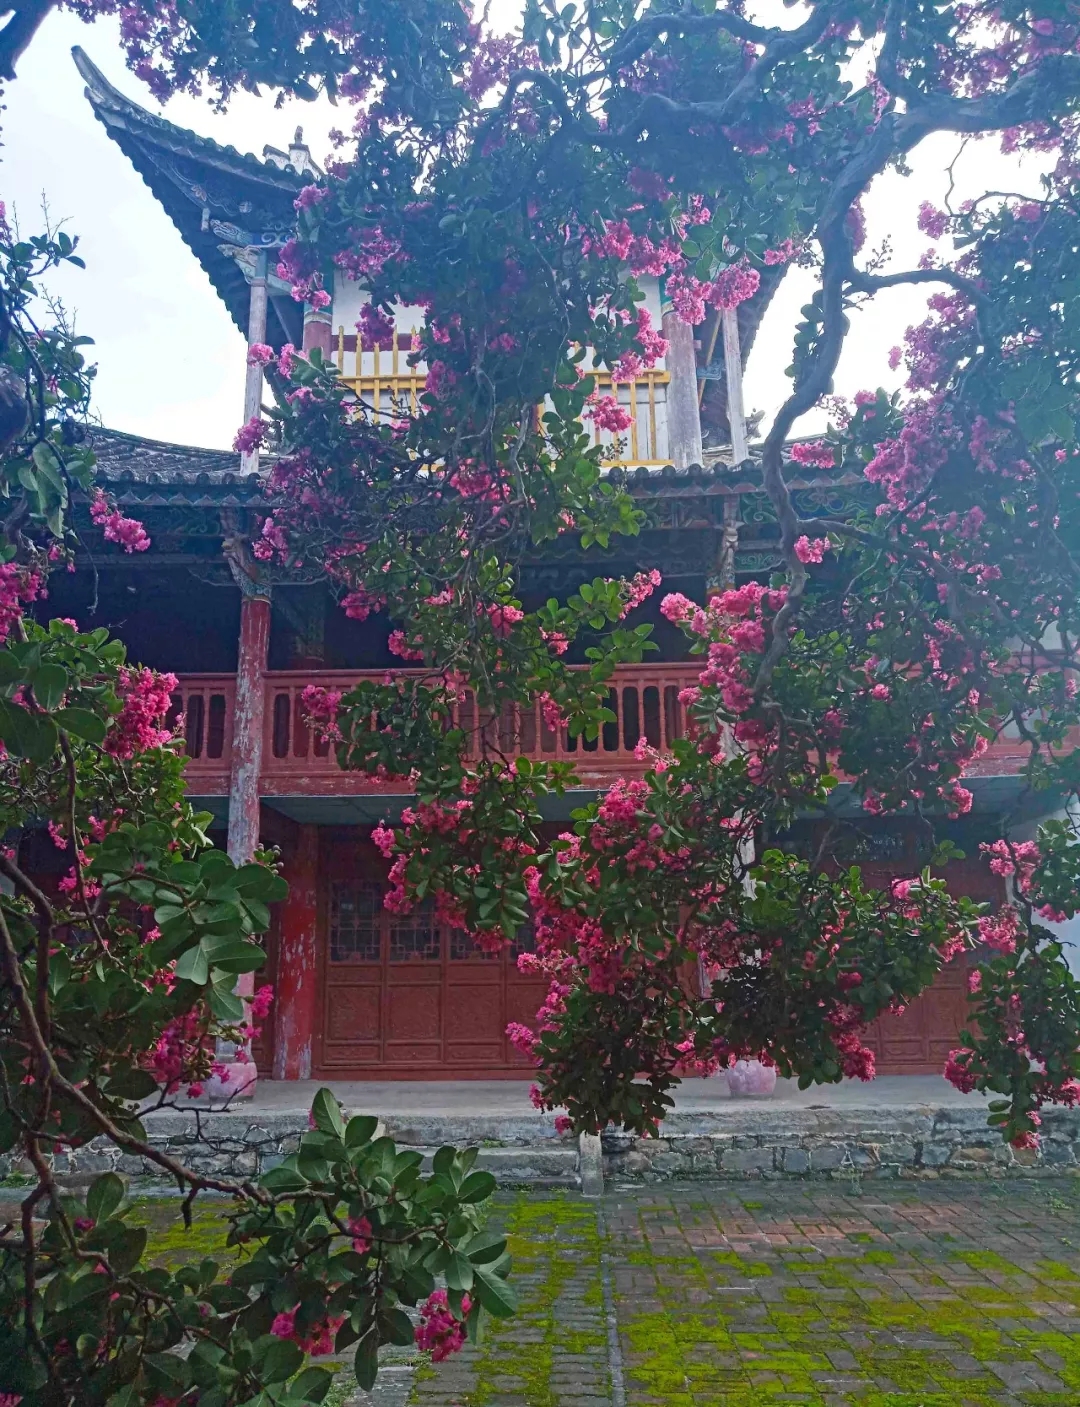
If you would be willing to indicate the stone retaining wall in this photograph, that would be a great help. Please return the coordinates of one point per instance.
(244, 1142)
(759, 1140)
(772, 1142)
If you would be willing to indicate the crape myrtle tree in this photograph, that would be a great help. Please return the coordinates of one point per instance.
(117, 981)
(697, 144)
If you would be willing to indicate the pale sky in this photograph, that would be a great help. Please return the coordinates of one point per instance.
(171, 364)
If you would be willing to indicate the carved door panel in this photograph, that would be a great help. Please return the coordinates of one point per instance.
(403, 996)
(919, 1040)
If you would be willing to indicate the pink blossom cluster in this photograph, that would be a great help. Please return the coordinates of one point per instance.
(811, 550)
(129, 533)
(905, 464)
(503, 618)
(146, 698)
(261, 1002)
(360, 1230)
(319, 1339)
(398, 644)
(260, 354)
(440, 1332)
(640, 252)
(932, 221)
(18, 587)
(607, 414)
(361, 603)
(182, 1054)
(784, 252)
(375, 328)
(999, 930)
(690, 296)
(958, 1073)
(368, 254)
(1014, 857)
(816, 453)
(311, 196)
(638, 589)
(384, 840)
(735, 285)
(250, 436)
(653, 345)
(522, 1038)
(320, 707)
(553, 717)
(479, 481)
(271, 542)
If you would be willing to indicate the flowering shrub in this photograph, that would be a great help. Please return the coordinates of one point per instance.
(709, 907)
(880, 662)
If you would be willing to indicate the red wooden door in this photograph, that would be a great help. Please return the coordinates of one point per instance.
(918, 1041)
(404, 997)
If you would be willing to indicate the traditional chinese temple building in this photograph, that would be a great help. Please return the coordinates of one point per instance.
(361, 993)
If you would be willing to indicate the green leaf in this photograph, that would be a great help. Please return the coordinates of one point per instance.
(485, 1247)
(277, 1359)
(311, 1385)
(237, 957)
(12, 669)
(125, 1250)
(459, 1273)
(50, 685)
(193, 966)
(105, 1195)
(360, 1130)
(26, 734)
(477, 1187)
(395, 1326)
(283, 1179)
(366, 1362)
(82, 723)
(497, 1297)
(327, 1114)
(132, 1084)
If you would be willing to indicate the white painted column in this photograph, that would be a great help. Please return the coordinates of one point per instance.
(734, 377)
(683, 415)
(253, 385)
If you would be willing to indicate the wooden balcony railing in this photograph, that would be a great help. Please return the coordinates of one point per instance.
(383, 379)
(644, 699)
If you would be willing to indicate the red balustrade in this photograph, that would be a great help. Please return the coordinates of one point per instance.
(643, 698)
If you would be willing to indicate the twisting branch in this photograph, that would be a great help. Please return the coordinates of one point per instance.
(26, 19)
(51, 1072)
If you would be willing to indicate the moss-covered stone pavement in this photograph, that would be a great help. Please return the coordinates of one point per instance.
(929, 1294)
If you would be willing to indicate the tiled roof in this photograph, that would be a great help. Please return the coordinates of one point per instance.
(141, 464)
(215, 195)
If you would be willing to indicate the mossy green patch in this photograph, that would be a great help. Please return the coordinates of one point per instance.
(170, 1243)
(555, 1244)
(901, 1323)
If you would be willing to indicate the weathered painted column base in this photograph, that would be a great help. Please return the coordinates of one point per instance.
(239, 1077)
(297, 979)
(591, 1165)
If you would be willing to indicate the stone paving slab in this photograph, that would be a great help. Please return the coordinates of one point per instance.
(943, 1295)
(832, 1295)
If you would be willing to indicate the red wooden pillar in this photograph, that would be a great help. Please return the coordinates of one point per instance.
(297, 980)
(318, 332)
(243, 838)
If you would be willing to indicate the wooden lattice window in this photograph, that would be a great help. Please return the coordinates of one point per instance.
(355, 922)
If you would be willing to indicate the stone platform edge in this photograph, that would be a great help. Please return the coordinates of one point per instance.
(735, 1142)
(835, 1143)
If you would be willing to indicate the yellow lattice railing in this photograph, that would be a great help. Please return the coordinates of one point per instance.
(383, 379)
